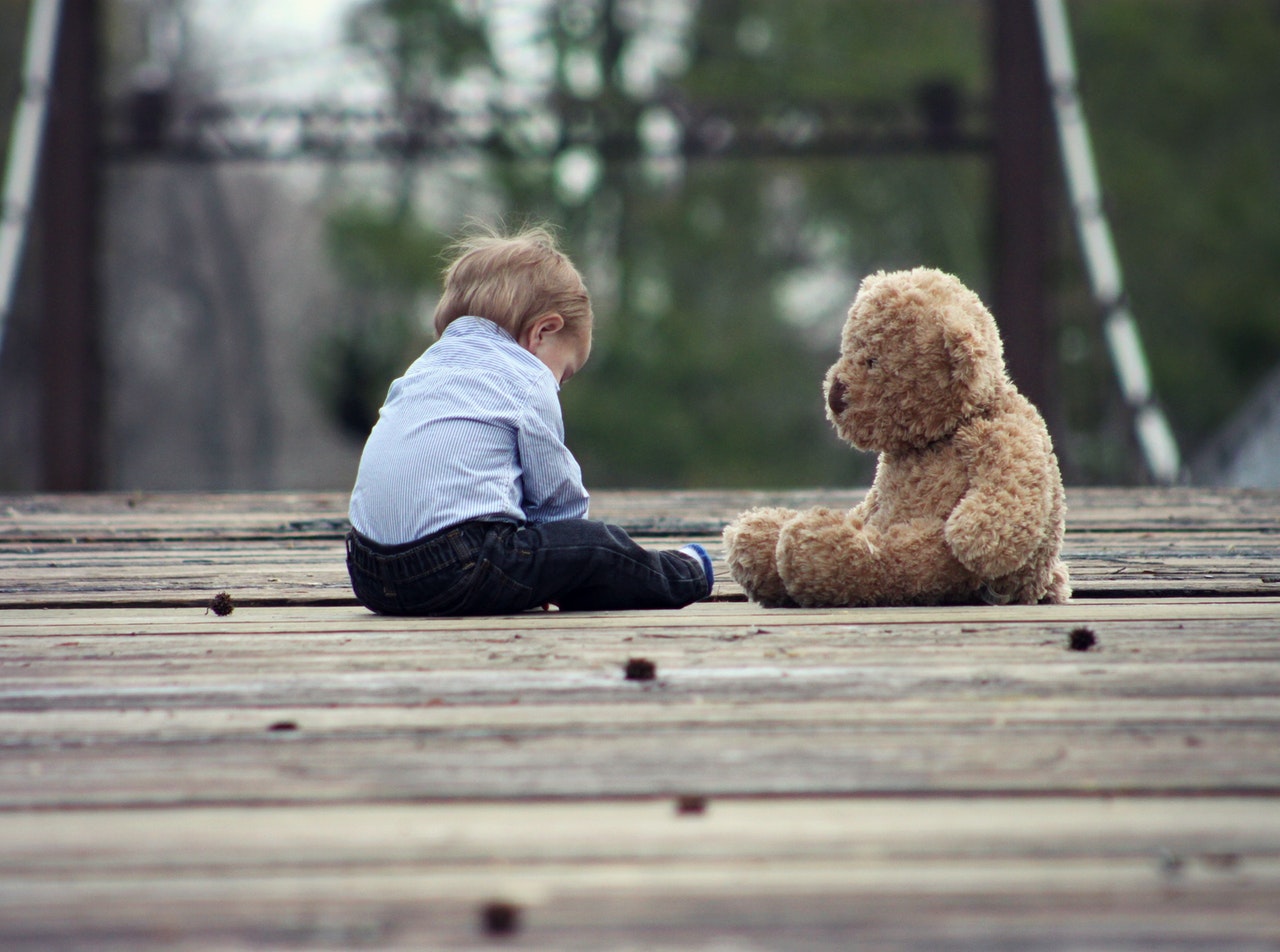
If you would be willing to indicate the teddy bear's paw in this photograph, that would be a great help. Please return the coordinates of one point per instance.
(986, 548)
(750, 542)
(1059, 592)
(826, 560)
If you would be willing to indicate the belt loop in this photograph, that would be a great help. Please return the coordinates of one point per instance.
(459, 540)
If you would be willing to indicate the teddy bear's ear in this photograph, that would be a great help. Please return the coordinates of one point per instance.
(963, 346)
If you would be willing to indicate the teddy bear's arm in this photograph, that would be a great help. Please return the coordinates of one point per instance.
(863, 511)
(997, 525)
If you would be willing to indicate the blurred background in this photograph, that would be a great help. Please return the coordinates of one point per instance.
(234, 237)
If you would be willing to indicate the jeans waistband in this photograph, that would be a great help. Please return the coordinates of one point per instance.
(452, 546)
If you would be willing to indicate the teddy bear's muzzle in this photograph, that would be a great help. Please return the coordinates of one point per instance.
(837, 395)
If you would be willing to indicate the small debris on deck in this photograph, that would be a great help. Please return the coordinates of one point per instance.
(499, 918)
(640, 669)
(221, 605)
(1082, 639)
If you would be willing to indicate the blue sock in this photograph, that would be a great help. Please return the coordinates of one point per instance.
(701, 555)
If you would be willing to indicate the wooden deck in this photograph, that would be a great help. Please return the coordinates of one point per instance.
(300, 774)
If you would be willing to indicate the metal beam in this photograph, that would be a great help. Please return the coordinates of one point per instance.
(72, 391)
(263, 132)
(1021, 166)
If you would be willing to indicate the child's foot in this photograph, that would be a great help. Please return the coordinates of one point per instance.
(699, 553)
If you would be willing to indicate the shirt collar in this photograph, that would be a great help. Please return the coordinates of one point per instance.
(470, 325)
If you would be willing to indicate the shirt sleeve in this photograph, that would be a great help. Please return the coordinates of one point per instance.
(552, 478)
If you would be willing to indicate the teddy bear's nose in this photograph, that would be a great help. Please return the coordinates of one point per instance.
(836, 395)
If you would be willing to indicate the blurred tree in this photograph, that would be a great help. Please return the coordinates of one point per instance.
(19, 356)
(1183, 101)
(385, 259)
(13, 29)
(719, 286)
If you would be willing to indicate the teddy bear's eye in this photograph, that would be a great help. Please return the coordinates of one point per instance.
(870, 362)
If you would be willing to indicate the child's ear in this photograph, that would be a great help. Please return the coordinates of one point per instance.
(543, 327)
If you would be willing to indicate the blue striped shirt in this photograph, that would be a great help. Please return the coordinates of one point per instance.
(473, 430)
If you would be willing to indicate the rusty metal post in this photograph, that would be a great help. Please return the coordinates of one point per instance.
(70, 344)
(1023, 163)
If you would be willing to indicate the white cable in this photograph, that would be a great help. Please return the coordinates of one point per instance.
(1154, 435)
(24, 146)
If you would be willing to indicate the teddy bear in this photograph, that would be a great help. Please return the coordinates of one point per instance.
(967, 504)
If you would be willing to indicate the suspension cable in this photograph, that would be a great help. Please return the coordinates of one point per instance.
(1155, 437)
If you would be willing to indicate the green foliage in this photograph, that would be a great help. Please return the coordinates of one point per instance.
(377, 250)
(695, 378)
(720, 285)
(13, 28)
(352, 367)
(1182, 98)
(417, 42)
(387, 261)
(835, 49)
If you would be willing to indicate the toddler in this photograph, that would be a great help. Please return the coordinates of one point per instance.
(467, 500)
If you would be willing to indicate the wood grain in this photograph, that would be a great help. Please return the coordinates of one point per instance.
(914, 874)
(302, 774)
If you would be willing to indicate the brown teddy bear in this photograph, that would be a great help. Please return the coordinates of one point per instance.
(967, 503)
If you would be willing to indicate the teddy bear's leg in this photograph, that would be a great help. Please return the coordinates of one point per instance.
(836, 561)
(825, 559)
(750, 543)
(918, 567)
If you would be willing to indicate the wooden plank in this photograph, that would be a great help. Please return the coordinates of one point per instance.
(156, 573)
(540, 639)
(1168, 630)
(118, 517)
(73, 842)
(913, 874)
(1176, 697)
(302, 773)
(452, 737)
(709, 612)
(83, 727)
(781, 677)
(609, 907)
(1233, 755)
(285, 548)
(1127, 632)
(312, 571)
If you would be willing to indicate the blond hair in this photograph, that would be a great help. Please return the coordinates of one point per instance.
(512, 280)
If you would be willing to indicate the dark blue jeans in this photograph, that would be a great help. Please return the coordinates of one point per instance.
(495, 568)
